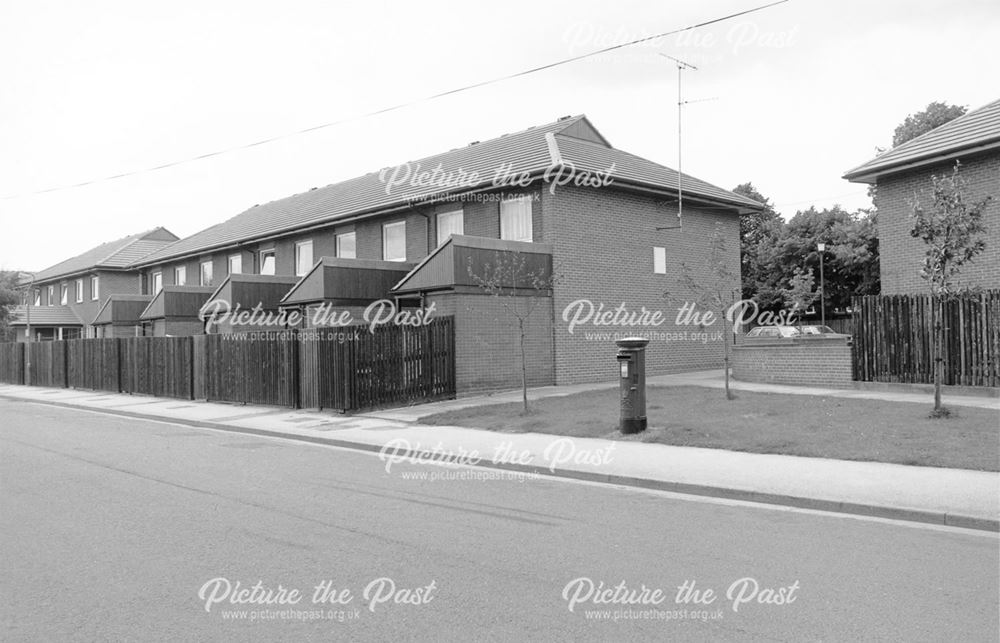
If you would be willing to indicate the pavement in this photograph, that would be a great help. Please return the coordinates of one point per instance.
(121, 529)
(961, 498)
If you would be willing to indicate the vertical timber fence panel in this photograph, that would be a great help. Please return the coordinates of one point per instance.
(894, 338)
(12, 363)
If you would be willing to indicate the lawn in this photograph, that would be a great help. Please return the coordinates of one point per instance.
(824, 427)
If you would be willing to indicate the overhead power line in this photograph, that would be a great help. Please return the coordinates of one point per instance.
(396, 107)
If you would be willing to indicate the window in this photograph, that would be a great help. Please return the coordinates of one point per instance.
(235, 264)
(94, 288)
(515, 219)
(180, 275)
(38, 296)
(157, 282)
(394, 241)
(205, 279)
(51, 296)
(64, 295)
(347, 245)
(303, 257)
(79, 291)
(659, 260)
(267, 262)
(449, 223)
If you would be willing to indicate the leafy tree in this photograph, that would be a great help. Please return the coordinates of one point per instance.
(9, 298)
(934, 115)
(759, 234)
(714, 290)
(505, 279)
(952, 229)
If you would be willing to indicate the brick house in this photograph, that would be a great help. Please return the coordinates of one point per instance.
(66, 298)
(606, 221)
(903, 174)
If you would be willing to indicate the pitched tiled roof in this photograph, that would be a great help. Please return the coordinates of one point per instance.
(46, 316)
(978, 130)
(526, 151)
(113, 254)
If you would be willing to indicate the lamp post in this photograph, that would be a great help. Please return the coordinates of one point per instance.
(822, 291)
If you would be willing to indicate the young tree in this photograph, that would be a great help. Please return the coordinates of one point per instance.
(801, 292)
(952, 229)
(521, 289)
(715, 289)
(9, 299)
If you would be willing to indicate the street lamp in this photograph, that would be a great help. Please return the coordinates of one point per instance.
(822, 292)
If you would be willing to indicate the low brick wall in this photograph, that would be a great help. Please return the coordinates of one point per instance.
(807, 361)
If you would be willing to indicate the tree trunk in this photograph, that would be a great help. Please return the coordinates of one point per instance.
(725, 344)
(524, 368)
(938, 359)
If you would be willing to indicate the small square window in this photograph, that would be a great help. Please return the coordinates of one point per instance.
(235, 264)
(449, 223)
(347, 245)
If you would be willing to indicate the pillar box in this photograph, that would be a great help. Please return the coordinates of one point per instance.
(632, 377)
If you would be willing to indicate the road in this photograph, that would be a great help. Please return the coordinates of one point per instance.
(113, 528)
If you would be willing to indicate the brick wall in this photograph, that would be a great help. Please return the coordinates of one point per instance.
(901, 255)
(603, 249)
(487, 352)
(816, 362)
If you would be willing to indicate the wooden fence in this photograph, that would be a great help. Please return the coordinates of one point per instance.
(893, 339)
(346, 369)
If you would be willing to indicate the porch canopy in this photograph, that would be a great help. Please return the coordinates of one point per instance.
(177, 302)
(462, 264)
(122, 310)
(249, 291)
(346, 282)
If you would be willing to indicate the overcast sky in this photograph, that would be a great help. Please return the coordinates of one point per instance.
(802, 92)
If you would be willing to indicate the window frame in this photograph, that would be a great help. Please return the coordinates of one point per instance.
(51, 296)
(153, 279)
(303, 270)
(385, 239)
(78, 288)
(238, 259)
(180, 275)
(37, 297)
(95, 287)
(262, 257)
(441, 216)
(208, 263)
(504, 229)
(659, 260)
(64, 294)
(354, 252)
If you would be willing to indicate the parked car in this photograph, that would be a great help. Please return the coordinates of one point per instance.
(826, 331)
(774, 332)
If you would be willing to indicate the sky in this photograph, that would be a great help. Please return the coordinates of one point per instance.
(787, 98)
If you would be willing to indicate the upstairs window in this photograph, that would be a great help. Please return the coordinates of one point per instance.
(180, 276)
(267, 262)
(235, 264)
(205, 278)
(79, 291)
(51, 296)
(394, 241)
(157, 282)
(347, 245)
(449, 223)
(303, 257)
(95, 292)
(64, 295)
(515, 219)
(38, 297)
